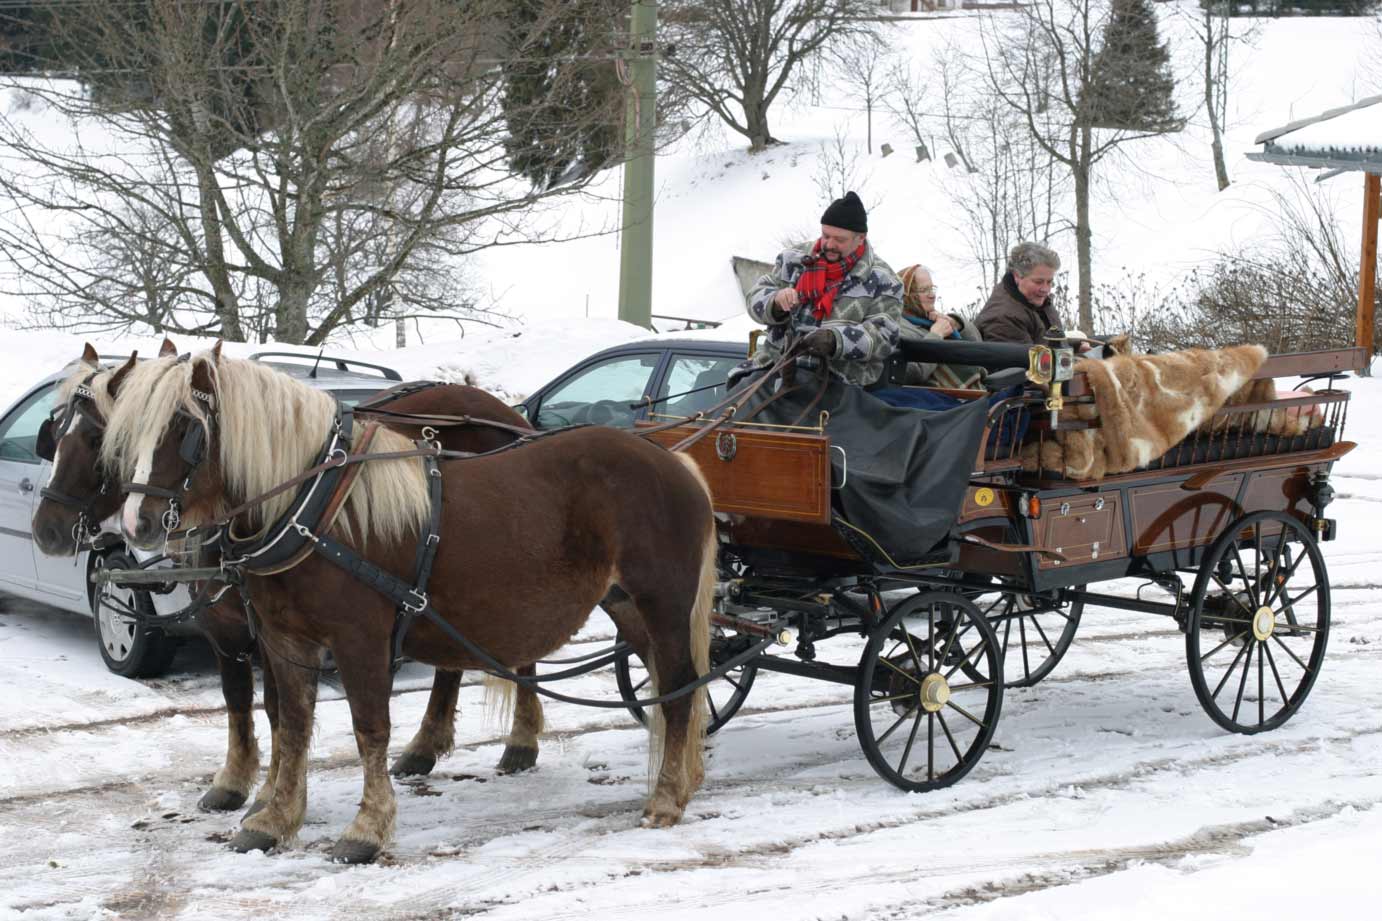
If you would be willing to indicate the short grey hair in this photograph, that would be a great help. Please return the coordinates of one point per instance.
(1026, 256)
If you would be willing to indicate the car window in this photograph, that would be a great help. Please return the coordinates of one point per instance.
(695, 373)
(600, 393)
(19, 430)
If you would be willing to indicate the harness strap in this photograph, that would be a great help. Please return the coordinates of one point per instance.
(422, 561)
(442, 420)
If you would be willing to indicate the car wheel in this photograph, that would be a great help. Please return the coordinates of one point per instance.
(130, 648)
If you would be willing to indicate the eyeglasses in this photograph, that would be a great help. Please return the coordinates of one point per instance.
(929, 289)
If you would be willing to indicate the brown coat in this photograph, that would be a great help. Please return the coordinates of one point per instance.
(1010, 317)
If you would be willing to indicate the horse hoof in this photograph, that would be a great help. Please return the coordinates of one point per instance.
(410, 764)
(247, 839)
(219, 799)
(517, 758)
(347, 850)
(660, 818)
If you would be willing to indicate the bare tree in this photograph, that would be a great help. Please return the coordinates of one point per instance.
(1214, 31)
(735, 57)
(864, 66)
(297, 165)
(837, 168)
(1041, 66)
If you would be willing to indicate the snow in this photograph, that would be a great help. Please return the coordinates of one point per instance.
(1108, 791)
(1355, 132)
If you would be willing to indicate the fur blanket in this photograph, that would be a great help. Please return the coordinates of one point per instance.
(1147, 403)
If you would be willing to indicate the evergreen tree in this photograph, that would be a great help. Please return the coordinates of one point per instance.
(562, 97)
(1130, 85)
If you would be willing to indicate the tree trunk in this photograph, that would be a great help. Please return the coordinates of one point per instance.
(1211, 45)
(227, 305)
(1083, 233)
(290, 314)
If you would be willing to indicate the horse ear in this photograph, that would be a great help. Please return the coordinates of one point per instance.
(118, 378)
(202, 377)
(167, 348)
(89, 356)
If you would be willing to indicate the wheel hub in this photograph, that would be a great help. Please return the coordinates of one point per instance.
(935, 692)
(1263, 623)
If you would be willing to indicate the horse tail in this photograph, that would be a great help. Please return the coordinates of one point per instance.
(700, 634)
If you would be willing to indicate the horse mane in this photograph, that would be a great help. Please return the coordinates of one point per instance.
(269, 428)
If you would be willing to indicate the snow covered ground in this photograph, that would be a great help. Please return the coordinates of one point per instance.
(1108, 792)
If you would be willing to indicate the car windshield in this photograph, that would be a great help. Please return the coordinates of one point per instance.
(601, 393)
(694, 383)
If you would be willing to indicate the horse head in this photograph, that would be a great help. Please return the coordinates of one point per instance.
(80, 491)
(159, 438)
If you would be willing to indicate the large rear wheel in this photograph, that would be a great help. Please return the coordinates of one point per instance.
(929, 691)
(1258, 623)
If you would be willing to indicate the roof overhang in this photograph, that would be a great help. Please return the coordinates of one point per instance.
(1346, 138)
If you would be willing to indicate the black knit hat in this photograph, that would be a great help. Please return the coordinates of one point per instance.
(848, 213)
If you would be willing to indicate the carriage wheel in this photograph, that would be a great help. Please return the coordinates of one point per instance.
(1033, 633)
(1258, 622)
(929, 691)
(725, 695)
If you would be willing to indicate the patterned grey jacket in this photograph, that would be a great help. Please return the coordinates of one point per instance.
(865, 316)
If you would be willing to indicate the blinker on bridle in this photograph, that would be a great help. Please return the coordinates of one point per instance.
(52, 430)
(192, 451)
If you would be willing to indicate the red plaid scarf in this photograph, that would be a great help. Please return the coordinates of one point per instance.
(822, 280)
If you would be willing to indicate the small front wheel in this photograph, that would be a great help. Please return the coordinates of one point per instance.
(724, 696)
(929, 691)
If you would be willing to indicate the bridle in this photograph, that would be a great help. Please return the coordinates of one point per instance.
(50, 433)
(192, 451)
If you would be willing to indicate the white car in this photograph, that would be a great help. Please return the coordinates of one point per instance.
(128, 647)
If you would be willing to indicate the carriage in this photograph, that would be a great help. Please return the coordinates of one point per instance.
(1222, 531)
(948, 545)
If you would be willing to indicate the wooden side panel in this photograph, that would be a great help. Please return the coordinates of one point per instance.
(779, 475)
(1084, 529)
(1282, 490)
(1166, 517)
(986, 502)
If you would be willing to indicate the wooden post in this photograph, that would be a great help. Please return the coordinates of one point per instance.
(1367, 280)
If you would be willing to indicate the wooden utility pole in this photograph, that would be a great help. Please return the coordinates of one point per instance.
(636, 238)
(1367, 281)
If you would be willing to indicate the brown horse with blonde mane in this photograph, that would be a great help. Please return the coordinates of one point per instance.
(532, 538)
(79, 494)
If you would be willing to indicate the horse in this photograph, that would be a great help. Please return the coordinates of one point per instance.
(528, 540)
(79, 494)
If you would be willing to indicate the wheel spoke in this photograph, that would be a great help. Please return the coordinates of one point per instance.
(893, 728)
(967, 687)
(959, 758)
(916, 656)
(1042, 633)
(714, 710)
(1290, 653)
(911, 738)
(1233, 639)
(1229, 593)
(1243, 681)
(1285, 580)
(1026, 661)
(907, 675)
(1261, 691)
(1231, 667)
(965, 713)
(965, 661)
(1248, 584)
(1271, 660)
(1291, 603)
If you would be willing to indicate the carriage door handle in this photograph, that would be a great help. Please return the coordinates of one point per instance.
(26, 485)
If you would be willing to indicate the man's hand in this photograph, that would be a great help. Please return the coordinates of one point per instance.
(821, 342)
(943, 327)
(784, 302)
